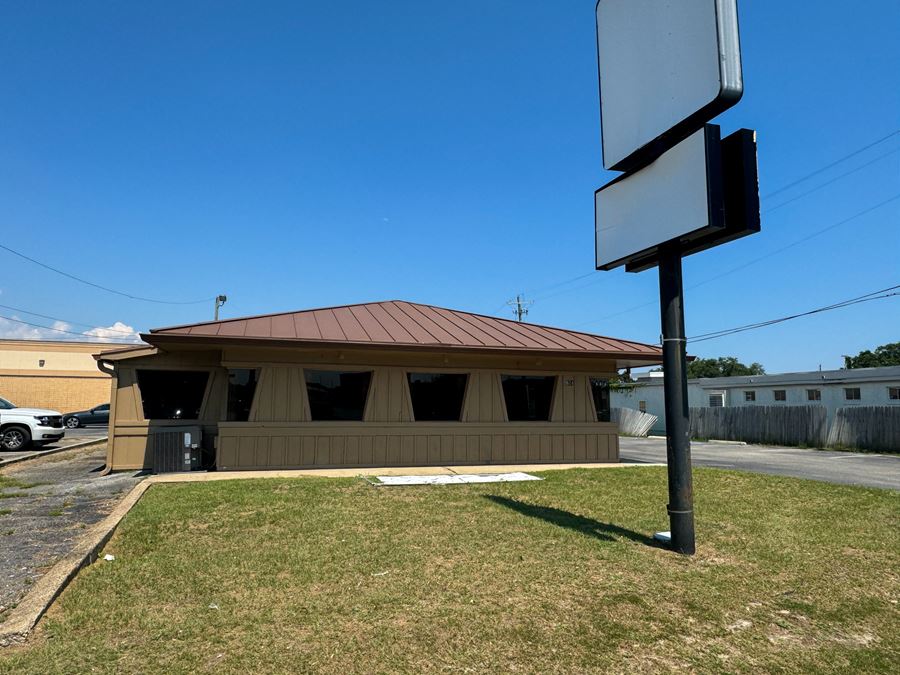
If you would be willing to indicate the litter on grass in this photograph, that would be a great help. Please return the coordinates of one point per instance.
(109, 557)
(454, 479)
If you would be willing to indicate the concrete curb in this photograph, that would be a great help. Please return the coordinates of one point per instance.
(28, 612)
(46, 453)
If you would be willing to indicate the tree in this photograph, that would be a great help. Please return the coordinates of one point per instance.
(885, 355)
(724, 366)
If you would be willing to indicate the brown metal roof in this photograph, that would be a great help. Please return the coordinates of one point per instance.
(406, 324)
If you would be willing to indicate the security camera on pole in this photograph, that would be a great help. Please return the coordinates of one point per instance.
(666, 69)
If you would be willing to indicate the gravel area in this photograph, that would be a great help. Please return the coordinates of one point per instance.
(41, 523)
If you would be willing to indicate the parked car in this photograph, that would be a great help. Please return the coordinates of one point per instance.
(97, 415)
(21, 427)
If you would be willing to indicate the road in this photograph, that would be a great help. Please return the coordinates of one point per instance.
(72, 437)
(848, 468)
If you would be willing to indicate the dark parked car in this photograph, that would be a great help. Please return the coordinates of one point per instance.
(98, 415)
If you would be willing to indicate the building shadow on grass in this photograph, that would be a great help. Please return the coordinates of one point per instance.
(571, 521)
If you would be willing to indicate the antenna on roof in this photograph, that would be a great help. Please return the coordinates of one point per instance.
(521, 307)
(220, 300)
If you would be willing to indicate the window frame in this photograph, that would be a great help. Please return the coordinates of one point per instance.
(259, 372)
(750, 396)
(814, 395)
(783, 393)
(210, 376)
(717, 394)
(857, 397)
(442, 371)
(329, 368)
(893, 393)
(590, 386)
(553, 394)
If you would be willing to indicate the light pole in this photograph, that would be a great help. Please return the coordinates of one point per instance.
(220, 300)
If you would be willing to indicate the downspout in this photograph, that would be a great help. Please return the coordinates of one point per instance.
(105, 366)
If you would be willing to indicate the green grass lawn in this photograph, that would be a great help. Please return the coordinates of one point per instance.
(325, 575)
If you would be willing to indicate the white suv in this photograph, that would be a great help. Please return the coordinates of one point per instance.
(21, 427)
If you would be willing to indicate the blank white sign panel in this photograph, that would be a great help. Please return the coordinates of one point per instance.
(667, 199)
(666, 67)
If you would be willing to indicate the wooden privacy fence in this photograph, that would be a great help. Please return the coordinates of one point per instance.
(778, 425)
(867, 427)
(633, 422)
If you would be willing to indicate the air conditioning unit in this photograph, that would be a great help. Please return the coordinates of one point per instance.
(176, 449)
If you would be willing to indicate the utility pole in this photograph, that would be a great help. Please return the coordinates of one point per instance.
(220, 300)
(521, 307)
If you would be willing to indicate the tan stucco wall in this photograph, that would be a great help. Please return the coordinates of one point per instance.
(280, 433)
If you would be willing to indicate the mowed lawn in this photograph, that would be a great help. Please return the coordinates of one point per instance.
(336, 576)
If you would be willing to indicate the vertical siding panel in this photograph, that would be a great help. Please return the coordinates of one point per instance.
(470, 414)
(276, 451)
(407, 450)
(294, 454)
(351, 451)
(588, 414)
(498, 408)
(510, 442)
(569, 398)
(323, 450)
(434, 449)
(557, 411)
(485, 448)
(338, 450)
(521, 448)
(498, 449)
(380, 455)
(459, 449)
(486, 407)
(393, 450)
(420, 453)
(366, 444)
(472, 449)
(546, 448)
(580, 447)
(308, 451)
(593, 443)
(446, 456)
(534, 448)
(603, 447)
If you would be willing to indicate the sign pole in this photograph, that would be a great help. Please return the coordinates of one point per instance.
(678, 439)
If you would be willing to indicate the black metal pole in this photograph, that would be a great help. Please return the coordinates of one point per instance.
(678, 439)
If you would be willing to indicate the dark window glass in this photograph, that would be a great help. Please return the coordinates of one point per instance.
(813, 395)
(642, 406)
(894, 393)
(600, 390)
(528, 397)
(335, 395)
(172, 394)
(241, 388)
(103, 407)
(852, 394)
(780, 395)
(437, 396)
(749, 395)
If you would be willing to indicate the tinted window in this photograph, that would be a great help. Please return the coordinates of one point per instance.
(780, 395)
(241, 388)
(6, 405)
(852, 394)
(437, 396)
(102, 408)
(172, 394)
(813, 395)
(528, 397)
(600, 390)
(335, 395)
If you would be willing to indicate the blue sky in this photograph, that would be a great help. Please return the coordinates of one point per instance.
(304, 154)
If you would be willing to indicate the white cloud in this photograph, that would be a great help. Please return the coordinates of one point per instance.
(14, 330)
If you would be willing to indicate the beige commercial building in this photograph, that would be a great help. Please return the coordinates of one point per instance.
(58, 375)
(378, 384)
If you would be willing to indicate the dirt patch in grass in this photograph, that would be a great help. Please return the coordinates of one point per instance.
(322, 575)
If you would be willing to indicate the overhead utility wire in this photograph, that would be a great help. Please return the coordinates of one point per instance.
(756, 260)
(103, 288)
(771, 194)
(70, 332)
(874, 295)
(74, 323)
(831, 165)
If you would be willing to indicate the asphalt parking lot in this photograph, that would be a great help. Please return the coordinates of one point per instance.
(848, 468)
(45, 505)
(72, 437)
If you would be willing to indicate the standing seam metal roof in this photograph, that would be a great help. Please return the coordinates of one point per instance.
(400, 323)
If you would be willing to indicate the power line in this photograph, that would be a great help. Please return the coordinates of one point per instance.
(521, 307)
(103, 288)
(757, 260)
(783, 188)
(70, 332)
(868, 297)
(74, 323)
(831, 165)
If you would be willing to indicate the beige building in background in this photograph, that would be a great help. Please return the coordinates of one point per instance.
(61, 376)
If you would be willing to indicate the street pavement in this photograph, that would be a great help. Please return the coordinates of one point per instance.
(72, 437)
(848, 468)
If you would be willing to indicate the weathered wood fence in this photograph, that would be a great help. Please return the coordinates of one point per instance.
(867, 427)
(778, 425)
(633, 422)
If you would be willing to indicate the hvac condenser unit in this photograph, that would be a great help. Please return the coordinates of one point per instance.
(176, 449)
